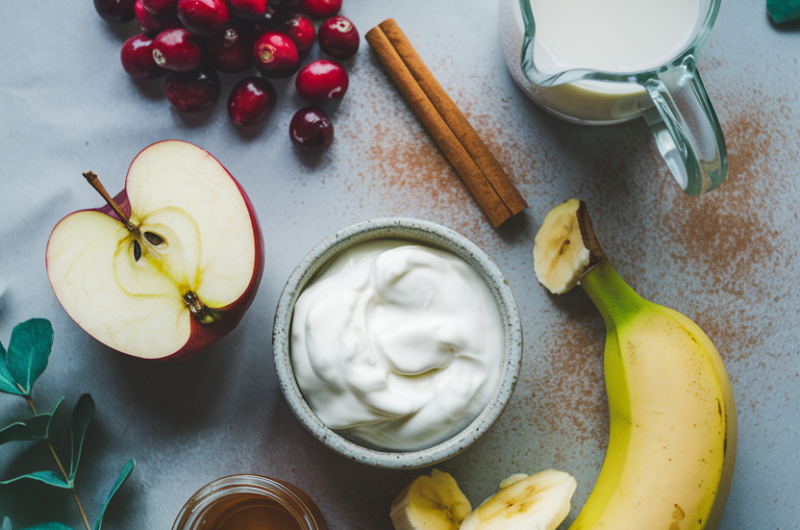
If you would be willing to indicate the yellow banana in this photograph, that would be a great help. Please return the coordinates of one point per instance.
(536, 502)
(672, 442)
(430, 503)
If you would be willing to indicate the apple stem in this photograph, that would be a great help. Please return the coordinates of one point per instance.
(63, 471)
(95, 183)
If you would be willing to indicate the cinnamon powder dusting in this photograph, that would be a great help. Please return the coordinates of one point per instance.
(730, 235)
(400, 169)
(566, 395)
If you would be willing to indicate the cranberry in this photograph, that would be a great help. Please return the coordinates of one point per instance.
(115, 10)
(297, 27)
(321, 81)
(147, 20)
(176, 49)
(204, 17)
(154, 22)
(264, 23)
(159, 6)
(251, 101)
(249, 8)
(339, 37)
(311, 130)
(321, 8)
(195, 90)
(137, 58)
(275, 55)
(230, 52)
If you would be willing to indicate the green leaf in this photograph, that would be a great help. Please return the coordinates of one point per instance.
(48, 526)
(28, 351)
(6, 524)
(35, 428)
(7, 382)
(48, 477)
(81, 415)
(123, 476)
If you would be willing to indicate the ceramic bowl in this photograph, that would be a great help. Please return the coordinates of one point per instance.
(415, 231)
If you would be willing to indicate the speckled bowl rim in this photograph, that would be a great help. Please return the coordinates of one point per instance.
(411, 230)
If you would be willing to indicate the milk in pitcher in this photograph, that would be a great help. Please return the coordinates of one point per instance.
(618, 36)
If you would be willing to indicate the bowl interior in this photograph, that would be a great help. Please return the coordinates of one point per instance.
(415, 231)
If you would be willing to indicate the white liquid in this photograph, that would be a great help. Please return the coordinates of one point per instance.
(615, 35)
(606, 35)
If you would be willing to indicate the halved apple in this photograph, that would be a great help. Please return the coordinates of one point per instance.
(179, 275)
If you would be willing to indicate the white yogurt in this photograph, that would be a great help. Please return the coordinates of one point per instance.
(397, 345)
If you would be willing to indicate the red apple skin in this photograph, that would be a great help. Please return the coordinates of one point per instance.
(203, 336)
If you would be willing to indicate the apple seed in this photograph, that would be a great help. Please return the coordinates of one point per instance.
(137, 250)
(154, 239)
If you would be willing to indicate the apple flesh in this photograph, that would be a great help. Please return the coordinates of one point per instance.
(186, 273)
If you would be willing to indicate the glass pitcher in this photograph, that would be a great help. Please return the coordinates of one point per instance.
(669, 94)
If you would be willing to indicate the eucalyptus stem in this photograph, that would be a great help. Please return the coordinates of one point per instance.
(63, 472)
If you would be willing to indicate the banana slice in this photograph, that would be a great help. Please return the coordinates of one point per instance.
(536, 502)
(560, 256)
(430, 503)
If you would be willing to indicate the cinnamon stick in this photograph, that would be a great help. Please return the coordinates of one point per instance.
(455, 119)
(477, 167)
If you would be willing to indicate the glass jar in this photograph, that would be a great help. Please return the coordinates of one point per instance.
(249, 501)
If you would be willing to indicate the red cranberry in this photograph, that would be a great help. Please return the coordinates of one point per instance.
(321, 81)
(275, 55)
(251, 101)
(297, 27)
(115, 10)
(249, 8)
(321, 8)
(176, 49)
(265, 22)
(204, 17)
(311, 130)
(149, 21)
(159, 6)
(193, 91)
(137, 58)
(339, 37)
(230, 52)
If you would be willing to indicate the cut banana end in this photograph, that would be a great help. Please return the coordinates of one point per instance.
(560, 252)
(430, 503)
(536, 502)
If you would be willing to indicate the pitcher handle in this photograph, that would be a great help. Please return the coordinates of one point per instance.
(686, 128)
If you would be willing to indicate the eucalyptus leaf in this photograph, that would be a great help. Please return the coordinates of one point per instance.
(7, 382)
(123, 476)
(48, 477)
(48, 526)
(28, 351)
(6, 524)
(35, 428)
(81, 415)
